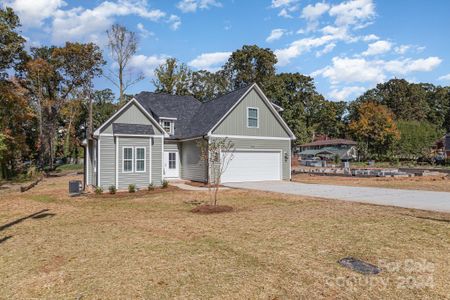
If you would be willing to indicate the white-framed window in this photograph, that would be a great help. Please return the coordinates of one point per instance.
(252, 117)
(127, 159)
(140, 159)
(168, 126)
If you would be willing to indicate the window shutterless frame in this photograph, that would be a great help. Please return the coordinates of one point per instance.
(127, 159)
(140, 159)
(252, 117)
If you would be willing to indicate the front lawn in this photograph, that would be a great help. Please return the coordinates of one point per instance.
(272, 246)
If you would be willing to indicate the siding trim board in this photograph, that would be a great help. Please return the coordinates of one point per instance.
(249, 137)
(117, 162)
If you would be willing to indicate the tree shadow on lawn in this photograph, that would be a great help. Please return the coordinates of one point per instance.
(428, 218)
(37, 215)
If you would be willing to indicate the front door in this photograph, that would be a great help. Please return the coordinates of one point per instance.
(171, 165)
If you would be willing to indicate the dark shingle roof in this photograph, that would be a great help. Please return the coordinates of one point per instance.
(194, 118)
(123, 128)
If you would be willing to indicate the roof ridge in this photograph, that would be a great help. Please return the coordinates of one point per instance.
(227, 93)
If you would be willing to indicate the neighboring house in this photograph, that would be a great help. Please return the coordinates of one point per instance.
(327, 149)
(155, 137)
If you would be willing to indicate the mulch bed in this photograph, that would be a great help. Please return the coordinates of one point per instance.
(199, 184)
(126, 194)
(211, 209)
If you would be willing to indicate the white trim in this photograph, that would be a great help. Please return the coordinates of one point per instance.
(123, 159)
(98, 162)
(97, 132)
(167, 118)
(150, 161)
(190, 139)
(136, 135)
(257, 116)
(250, 137)
(279, 108)
(162, 160)
(269, 104)
(136, 159)
(117, 162)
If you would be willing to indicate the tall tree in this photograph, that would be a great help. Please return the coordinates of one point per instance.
(122, 44)
(56, 75)
(407, 101)
(250, 64)
(172, 77)
(11, 42)
(375, 129)
(205, 85)
(416, 139)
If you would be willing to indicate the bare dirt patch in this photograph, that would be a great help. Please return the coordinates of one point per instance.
(428, 183)
(211, 209)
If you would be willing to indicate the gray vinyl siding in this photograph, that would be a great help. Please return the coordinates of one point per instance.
(140, 179)
(107, 161)
(91, 178)
(131, 115)
(192, 167)
(283, 145)
(157, 161)
(236, 122)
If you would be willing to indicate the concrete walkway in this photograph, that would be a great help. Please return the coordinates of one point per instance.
(427, 200)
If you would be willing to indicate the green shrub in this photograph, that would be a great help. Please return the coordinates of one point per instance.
(112, 189)
(151, 187)
(98, 190)
(132, 188)
(165, 184)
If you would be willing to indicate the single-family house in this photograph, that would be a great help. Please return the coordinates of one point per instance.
(327, 149)
(156, 137)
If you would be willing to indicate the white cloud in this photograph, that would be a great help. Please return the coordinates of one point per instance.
(331, 34)
(327, 49)
(275, 34)
(147, 64)
(283, 3)
(209, 61)
(353, 12)
(351, 70)
(345, 92)
(32, 13)
(313, 12)
(370, 38)
(379, 47)
(90, 24)
(143, 31)
(445, 77)
(188, 6)
(285, 14)
(402, 49)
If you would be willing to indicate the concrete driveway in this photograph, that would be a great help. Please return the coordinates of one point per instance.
(437, 201)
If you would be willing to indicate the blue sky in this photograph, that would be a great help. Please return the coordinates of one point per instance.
(347, 46)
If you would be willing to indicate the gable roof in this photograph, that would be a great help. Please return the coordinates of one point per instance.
(124, 128)
(195, 118)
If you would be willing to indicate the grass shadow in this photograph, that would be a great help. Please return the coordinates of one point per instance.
(428, 218)
(36, 215)
(4, 239)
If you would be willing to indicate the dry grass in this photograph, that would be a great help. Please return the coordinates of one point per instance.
(272, 246)
(427, 183)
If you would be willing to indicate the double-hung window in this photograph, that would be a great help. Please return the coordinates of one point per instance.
(127, 159)
(140, 159)
(252, 117)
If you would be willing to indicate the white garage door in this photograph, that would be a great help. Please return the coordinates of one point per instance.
(253, 166)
